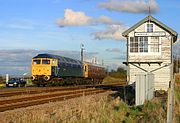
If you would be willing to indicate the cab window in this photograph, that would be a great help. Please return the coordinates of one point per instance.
(45, 61)
(36, 61)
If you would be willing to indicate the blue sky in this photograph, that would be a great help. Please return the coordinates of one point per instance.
(62, 25)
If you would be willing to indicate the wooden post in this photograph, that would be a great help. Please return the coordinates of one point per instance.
(170, 103)
(169, 110)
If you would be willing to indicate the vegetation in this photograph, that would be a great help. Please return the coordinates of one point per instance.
(119, 73)
(177, 99)
(97, 109)
(115, 76)
(110, 79)
(176, 65)
(91, 109)
(2, 80)
(28, 80)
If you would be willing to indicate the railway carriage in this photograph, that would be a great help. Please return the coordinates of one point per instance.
(47, 68)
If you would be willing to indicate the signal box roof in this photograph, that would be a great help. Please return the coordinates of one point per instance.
(152, 19)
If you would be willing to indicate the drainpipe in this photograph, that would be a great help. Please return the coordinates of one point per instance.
(127, 59)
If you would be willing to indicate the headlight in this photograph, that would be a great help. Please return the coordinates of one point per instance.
(15, 83)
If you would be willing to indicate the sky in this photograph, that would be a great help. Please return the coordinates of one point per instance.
(29, 27)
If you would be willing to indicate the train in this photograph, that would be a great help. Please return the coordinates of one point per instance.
(49, 69)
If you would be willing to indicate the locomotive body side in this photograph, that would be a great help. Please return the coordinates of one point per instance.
(69, 68)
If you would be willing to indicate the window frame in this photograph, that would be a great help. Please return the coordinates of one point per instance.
(141, 41)
(46, 60)
(146, 27)
(154, 44)
(36, 62)
(149, 47)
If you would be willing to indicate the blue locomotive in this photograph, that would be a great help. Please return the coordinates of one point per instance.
(49, 68)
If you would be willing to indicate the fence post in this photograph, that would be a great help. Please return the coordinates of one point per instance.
(170, 103)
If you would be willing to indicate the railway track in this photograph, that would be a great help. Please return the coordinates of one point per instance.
(36, 91)
(25, 91)
(10, 104)
(44, 95)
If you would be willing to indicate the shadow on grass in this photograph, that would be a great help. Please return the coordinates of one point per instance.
(126, 93)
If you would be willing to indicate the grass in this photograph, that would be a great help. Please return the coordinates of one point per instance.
(110, 79)
(2, 85)
(97, 109)
(29, 82)
(90, 109)
(177, 78)
(177, 99)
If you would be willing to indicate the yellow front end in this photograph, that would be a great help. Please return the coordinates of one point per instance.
(42, 68)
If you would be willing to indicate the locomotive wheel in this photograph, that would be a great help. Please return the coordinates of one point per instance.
(46, 78)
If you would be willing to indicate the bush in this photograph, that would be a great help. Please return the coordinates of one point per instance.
(119, 73)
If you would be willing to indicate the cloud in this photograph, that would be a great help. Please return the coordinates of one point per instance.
(121, 57)
(18, 61)
(131, 6)
(113, 32)
(116, 50)
(114, 66)
(72, 18)
(105, 20)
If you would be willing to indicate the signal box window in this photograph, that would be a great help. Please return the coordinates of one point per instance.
(138, 44)
(155, 44)
(143, 44)
(133, 45)
(149, 27)
(36, 61)
(45, 61)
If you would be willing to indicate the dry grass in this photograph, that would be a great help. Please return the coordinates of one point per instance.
(74, 110)
(177, 78)
(94, 109)
(110, 79)
(177, 99)
(90, 109)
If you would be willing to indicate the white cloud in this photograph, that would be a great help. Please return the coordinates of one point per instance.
(112, 32)
(105, 20)
(18, 61)
(116, 50)
(131, 6)
(72, 18)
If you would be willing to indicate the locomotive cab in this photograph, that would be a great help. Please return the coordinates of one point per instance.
(44, 68)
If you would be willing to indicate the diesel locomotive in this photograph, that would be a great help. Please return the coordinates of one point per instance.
(49, 68)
